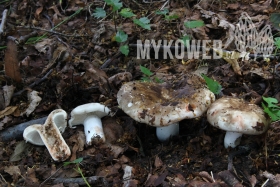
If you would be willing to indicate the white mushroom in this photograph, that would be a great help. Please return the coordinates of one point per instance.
(90, 116)
(164, 105)
(237, 117)
(49, 135)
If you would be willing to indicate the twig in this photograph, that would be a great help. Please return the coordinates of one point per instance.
(3, 23)
(50, 176)
(52, 31)
(15, 132)
(265, 183)
(79, 181)
(34, 83)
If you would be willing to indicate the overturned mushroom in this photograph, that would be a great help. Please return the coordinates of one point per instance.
(237, 117)
(49, 134)
(90, 116)
(164, 105)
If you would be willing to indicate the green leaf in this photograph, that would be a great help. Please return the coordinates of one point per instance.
(121, 36)
(124, 49)
(271, 102)
(99, 13)
(270, 107)
(145, 79)
(127, 13)
(143, 22)
(171, 17)
(186, 40)
(213, 86)
(275, 20)
(145, 71)
(194, 24)
(277, 42)
(162, 12)
(275, 116)
(77, 161)
(157, 80)
(116, 4)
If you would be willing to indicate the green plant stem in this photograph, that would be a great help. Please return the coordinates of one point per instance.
(114, 19)
(81, 173)
(67, 19)
(44, 35)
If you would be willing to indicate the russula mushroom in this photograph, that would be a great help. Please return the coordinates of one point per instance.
(90, 116)
(237, 117)
(49, 134)
(163, 105)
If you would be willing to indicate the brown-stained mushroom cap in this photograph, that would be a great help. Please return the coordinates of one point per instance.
(164, 104)
(237, 117)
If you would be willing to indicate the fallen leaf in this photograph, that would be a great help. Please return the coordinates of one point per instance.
(8, 111)
(12, 170)
(34, 101)
(158, 162)
(8, 94)
(20, 148)
(11, 61)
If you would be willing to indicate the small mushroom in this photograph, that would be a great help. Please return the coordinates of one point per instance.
(49, 134)
(163, 105)
(237, 117)
(90, 116)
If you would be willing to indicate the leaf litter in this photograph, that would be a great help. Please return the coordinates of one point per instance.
(61, 63)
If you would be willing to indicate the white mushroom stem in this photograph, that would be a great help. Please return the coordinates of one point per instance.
(93, 129)
(232, 139)
(164, 133)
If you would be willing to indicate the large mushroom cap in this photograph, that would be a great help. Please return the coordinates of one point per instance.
(80, 113)
(237, 115)
(163, 104)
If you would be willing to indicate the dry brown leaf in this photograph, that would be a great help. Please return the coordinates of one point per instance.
(233, 6)
(8, 111)
(34, 101)
(158, 162)
(38, 12)
(44, 45)
(11, 61)
(8, 94)
(12, 170)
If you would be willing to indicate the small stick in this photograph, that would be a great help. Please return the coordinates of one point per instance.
(3, 23)
(52, 31)
(34, 83)
(79, 181)
(265, 183)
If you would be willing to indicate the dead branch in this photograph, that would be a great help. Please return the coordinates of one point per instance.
(79, 181)
(16, 132)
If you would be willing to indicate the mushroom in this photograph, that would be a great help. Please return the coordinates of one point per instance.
(163, 105)
(89, 115)
(49, 134)
(237, 117)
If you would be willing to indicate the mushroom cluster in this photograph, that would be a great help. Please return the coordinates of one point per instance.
(237, 117)
(163, 105)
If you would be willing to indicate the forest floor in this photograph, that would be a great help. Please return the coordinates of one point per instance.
(69, 53)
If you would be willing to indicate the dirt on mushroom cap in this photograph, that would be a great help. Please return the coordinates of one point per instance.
(163, 104)
(237, 115)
